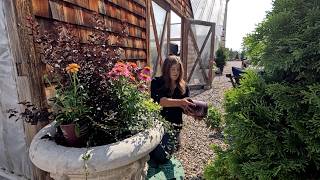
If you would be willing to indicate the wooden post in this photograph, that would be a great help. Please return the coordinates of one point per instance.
(148, 6)
(184, 42)
(213, 36)
(210, 73)
(168, 33)
(29, 68)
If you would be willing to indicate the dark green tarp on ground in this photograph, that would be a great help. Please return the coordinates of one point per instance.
(173, 169)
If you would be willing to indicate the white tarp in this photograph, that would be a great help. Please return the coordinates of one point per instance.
(13, 150)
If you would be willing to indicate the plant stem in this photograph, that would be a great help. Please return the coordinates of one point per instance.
(74, 85)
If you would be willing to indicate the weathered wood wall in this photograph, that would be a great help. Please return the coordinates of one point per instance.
(114, 12)
(133, 12)
(184, 6)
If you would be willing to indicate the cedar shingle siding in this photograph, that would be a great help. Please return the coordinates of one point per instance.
(79, 14)
(184, 6)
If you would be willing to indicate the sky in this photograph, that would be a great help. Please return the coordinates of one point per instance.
(243, 16)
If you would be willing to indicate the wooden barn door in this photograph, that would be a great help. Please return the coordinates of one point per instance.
(198, 52)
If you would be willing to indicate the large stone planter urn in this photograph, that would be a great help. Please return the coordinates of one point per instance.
(121, 160)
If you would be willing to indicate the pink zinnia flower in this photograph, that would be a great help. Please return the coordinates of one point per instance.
(144, 77)
(146, 70)
(112, 75)
(125, 72)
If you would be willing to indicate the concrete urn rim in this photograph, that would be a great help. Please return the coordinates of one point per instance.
(49, 156)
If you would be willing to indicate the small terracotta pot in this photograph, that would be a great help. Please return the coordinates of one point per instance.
(69, 133)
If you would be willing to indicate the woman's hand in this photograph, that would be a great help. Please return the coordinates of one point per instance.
(169, 102)
(183, 103)
(187, 111)
(186, 105)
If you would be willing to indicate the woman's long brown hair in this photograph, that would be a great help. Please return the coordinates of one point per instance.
(168, 63)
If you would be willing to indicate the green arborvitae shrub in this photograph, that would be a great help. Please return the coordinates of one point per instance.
(273, 121)
(219, 169)
(214, 117)
(272, 130)
(220, 58)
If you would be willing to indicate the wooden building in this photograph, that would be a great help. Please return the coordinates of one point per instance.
(156, 28)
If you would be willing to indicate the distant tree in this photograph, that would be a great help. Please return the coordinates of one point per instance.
(231, 54)
(237, 56)
(242, 55)
(254, 45)
(228, 54)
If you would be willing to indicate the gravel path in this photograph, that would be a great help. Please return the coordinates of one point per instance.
(196, 138)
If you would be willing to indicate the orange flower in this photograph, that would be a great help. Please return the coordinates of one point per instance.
(147, 68)
(132, 65)
(132, 78)
(72, 68)
(120, 65)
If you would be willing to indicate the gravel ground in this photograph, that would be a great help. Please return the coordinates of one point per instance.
(196, 138)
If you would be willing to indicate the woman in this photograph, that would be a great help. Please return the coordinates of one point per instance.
(170, 91)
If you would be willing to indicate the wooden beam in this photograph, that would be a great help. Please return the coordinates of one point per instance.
(168, 32)
(177, 39)
(197, 51)
(176, 9)
(184, 45)
(148, 30)
(159, 58)
(213, 27)
(193, 38)
(204, 23)
(29, 83)
(34, 64)
(163, 4)
(211, 73)
(205, 41)
(155, 36)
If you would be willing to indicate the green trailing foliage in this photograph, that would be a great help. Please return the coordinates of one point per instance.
(273, 121)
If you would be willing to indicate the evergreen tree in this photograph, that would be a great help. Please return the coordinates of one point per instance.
(220, 59)
(273, 121)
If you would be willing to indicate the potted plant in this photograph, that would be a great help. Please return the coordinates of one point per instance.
(220, 59)
(71, 112)
(101, 108)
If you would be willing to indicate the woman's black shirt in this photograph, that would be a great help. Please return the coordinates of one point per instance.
(171, 114)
